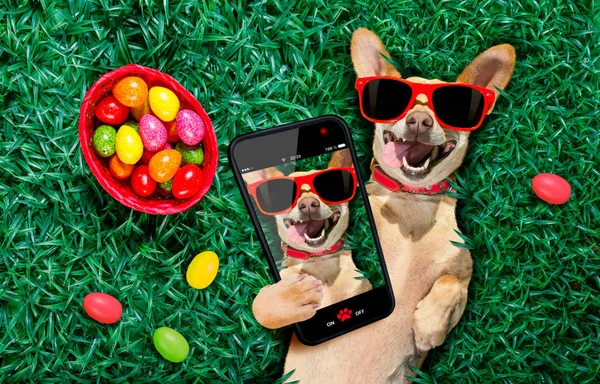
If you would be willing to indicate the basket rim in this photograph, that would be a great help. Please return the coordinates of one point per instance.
(168, 206)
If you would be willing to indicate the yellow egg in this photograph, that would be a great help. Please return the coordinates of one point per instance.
(129, 145)
(202, 270)
(164, 103)
(138, 112)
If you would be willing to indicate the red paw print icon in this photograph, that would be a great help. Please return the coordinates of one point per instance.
(344, 314)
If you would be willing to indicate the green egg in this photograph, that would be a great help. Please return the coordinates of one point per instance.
(133, 124)
(104, 140)
(171, 344)
(166, 188)
(190, 154)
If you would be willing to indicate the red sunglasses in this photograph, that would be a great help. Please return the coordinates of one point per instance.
(278, 195)
(457, 106)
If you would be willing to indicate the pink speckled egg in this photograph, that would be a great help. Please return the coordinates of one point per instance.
(190, 127)
(153, 133)
(147, 155)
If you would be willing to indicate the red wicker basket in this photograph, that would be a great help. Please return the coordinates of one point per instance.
(121, 190)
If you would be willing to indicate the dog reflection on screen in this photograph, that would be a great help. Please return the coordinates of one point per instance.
(317, 269)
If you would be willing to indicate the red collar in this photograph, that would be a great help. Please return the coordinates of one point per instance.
(303, 255)
(395, 186)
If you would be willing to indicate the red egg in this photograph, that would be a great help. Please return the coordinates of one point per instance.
(141, 182)
(110, 111)
(551, 188)
(147, 155)
(187, 182)
(172, 136)
(102, 307)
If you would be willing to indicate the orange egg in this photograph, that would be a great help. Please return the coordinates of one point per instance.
(119, 169)
(138, 112)
(164, 165)
(131, 91)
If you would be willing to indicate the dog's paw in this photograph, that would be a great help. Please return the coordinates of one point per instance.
(293, 299)
(430, 325)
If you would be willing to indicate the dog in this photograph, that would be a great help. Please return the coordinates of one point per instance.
(318, 271)
(416, 224)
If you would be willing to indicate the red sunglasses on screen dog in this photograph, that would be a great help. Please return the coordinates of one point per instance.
(456, 106)
(280, 194)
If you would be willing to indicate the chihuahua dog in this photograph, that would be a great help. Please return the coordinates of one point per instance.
(317, 271)
(415, 150)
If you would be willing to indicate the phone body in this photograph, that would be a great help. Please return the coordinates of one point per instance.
(303, 190)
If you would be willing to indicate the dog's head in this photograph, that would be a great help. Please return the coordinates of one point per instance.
(416, 150)
(311, 225)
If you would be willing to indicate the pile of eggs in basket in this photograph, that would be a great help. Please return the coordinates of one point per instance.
(158, 148)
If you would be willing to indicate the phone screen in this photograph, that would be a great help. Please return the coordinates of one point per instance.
(307, 199)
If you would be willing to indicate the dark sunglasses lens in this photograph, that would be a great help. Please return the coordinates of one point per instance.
(458, 106)
(276, 195)
(334, 186)
(385, 99)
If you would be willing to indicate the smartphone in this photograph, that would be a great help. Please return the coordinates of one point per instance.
(306, 197)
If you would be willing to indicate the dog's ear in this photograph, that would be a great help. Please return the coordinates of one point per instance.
(491, 69)
(367, 50)
(341, 159)
(261, 174)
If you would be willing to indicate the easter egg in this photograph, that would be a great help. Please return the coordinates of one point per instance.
(202, 270)
(110, 111)
(147, 155)
(551, 188)
(153, 133)
(141, 182)
(190, 127)
(172, 136)
(131, 91)
(129, 145)
(187, 181)
(164, 103)
(133, 124)
(164, 165)
(104, 140)
(144, 109)
(119, 169)
(166, 188)
(102, 307)
(190, 154)
(171, 344)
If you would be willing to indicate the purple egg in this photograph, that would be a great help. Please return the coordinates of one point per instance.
(153, 133)
(190, 127)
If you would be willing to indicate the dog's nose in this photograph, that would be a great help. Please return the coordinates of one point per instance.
(309, 205)
(419, 122)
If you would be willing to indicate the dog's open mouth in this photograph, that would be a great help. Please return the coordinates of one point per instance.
(416, 159)
(312, 231)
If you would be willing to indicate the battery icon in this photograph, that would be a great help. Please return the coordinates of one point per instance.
(342, 145)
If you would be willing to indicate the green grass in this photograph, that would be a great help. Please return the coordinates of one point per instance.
(533, 311)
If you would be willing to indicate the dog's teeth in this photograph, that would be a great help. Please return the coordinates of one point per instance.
(426, 164)
(405, 162)
(323, 232)
(306, 237)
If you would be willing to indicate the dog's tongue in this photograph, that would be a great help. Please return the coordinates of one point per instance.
(413, 150)
(311, 227)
